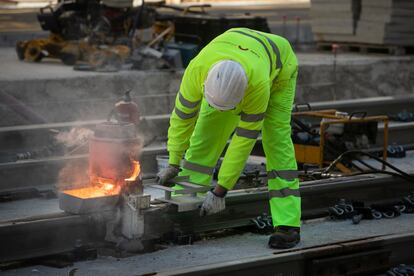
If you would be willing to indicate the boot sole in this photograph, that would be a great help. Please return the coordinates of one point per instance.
(285, 246)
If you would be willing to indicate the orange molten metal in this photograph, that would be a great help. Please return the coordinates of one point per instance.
(104, 186)
(112, 165)
(90, 192)
(107, 185)
(135, 172)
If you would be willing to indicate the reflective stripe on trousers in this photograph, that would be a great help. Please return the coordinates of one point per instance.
(283, 184)
(288, 175)
(198, 168)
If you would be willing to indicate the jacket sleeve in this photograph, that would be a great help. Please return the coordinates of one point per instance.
(184, 116)
(244, 138)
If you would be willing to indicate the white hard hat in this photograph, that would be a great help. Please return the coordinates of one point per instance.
(225, 85)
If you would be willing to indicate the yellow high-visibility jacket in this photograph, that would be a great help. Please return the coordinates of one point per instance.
(263, 57)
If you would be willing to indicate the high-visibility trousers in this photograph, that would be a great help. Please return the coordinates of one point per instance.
(214, 128)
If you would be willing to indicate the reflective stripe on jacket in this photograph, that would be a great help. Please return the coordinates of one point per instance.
(262, 56)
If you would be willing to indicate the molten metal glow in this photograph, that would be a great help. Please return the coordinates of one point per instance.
(107, 185)
(135, 172)
(104, 186)
(90, 192)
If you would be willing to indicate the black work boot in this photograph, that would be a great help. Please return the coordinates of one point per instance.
(284, 237)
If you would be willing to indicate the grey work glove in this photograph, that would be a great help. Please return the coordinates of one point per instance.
(212, 204)
(167, 174)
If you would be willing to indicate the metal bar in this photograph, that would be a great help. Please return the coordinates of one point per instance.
(318, 113)
(89, 123)
(242, 205)
(302, 262)
(45, 170)
(165, 188)
(373, 105)
(194, 186)
(43, 236)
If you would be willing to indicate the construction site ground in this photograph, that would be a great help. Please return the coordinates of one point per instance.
(60, 94)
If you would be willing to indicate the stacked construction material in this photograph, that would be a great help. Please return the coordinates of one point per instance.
(334, 20)
(386, 22)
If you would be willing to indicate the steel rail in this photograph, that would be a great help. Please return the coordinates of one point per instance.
(48, 235)
(364, 256)
(242, 205)
(373, 106)
(46, 170)
(17, 175)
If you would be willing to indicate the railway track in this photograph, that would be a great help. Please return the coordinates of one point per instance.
(45, 170)
(26, 137)
(41, 234)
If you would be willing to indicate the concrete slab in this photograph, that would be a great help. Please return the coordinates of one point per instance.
(21, 209)
(58, 93)
(236, 247)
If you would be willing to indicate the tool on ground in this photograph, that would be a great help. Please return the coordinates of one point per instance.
(321, 136)
(357, 210)
(403, 116)
(401, 270)
(263, 223)
(87, 31)
(396, 151)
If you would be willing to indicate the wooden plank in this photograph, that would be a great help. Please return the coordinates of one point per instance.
(370, 32)
(333, 28)
(369, 12)
(364, 48)
(334, 37)
(385, 28)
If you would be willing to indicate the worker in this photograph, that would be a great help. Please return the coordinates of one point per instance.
(242, 82)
